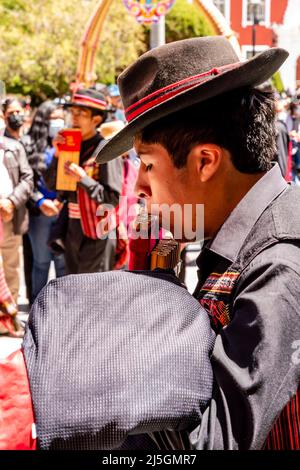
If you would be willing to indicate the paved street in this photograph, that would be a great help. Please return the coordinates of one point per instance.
(8, 345)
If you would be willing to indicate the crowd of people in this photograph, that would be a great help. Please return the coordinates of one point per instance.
(46, 222)
(288, 136)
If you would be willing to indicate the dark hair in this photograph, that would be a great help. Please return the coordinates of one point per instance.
(241, 121)
(6, 104)
(37, 139)
(292, 108)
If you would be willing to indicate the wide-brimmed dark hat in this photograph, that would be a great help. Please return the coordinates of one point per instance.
(180, 74)
(88, 98)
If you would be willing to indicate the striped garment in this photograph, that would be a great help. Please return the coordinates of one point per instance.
(93, 226)
(171, 440)
(285, 434)
(73, 210)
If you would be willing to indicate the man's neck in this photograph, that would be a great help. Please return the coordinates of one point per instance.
(89, 135)
(229, 197)
(14, 134)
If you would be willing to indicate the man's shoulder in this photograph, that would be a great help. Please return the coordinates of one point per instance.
(281, 219)
(281, 126)
(286, 214)
(272, 274)
(275, 237)
(26, 140)
(12, 144)
(291, 193)
(95, 140)
(284, 254)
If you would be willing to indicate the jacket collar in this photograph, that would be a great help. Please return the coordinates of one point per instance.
(230, 238)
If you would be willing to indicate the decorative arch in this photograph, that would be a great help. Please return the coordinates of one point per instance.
(90, 39)
(89, 43)
(298, 73)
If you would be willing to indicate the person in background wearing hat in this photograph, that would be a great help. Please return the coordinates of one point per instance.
(84, 252)
(206, 135)
(117, 110)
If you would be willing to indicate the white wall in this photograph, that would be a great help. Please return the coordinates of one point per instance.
(289, 39)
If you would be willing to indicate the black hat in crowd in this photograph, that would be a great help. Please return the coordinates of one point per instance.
(89, 98)
(172, 77)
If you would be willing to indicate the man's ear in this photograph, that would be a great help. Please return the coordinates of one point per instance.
(206, 159)
(98, 120)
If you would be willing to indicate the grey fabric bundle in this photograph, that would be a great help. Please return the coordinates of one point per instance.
(114, 354)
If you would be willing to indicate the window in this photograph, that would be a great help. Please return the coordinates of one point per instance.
(261, 9)
(247, 51)
(224, 7)
(221, 5)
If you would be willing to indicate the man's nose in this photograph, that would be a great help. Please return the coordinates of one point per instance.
(142, 188)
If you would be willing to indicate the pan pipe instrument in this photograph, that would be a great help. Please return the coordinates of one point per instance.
(163, 253)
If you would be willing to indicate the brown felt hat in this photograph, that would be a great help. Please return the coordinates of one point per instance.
(177, 75)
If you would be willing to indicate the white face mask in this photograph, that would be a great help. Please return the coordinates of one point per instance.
(55, 125)
(282, 115)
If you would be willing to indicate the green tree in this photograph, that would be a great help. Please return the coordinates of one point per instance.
(39, 41)
(185, 20)
(39, 44)
(277, 82)
(122, 42)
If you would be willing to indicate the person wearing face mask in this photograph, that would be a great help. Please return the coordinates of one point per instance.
(13, 198)
(14, 128)
(13, 113)
(44, 207)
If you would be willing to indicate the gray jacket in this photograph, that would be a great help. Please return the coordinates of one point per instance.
(254, 278)
(249, 284)
(21, 175)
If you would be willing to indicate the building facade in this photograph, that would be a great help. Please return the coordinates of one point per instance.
(277, 23)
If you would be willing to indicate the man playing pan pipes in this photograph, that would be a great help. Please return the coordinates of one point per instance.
(205, 136)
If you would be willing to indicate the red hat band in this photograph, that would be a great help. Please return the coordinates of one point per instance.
(89, 102)
(164, 94)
